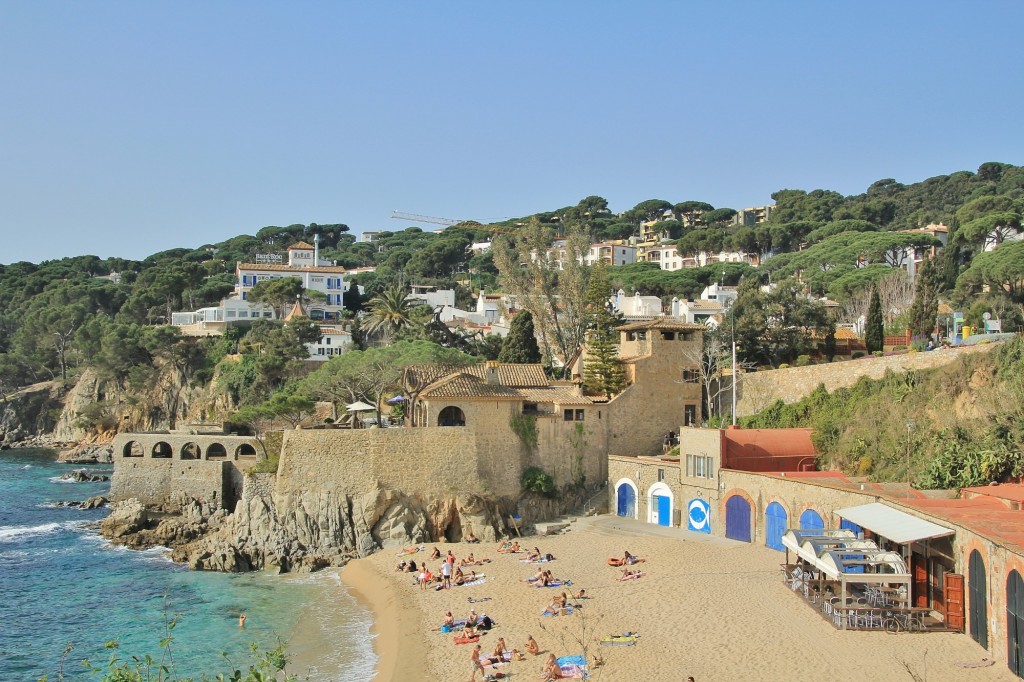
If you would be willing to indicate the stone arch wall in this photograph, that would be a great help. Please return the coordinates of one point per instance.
(756, 535)
(656, 488)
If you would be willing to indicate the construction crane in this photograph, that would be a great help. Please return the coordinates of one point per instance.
(416, 218)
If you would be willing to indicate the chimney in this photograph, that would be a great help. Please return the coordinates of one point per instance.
(316, 250)
(491, 373)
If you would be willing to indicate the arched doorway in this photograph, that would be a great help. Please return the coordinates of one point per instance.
(451, 416)
(132, 448)
(775, 526)
(625, 499)
(659, 504)
(216, 451)
(162, 450)
(977, 599)
(245, 451)
(811, 520)
(1015, 623)
(737, 518)
(191, 451)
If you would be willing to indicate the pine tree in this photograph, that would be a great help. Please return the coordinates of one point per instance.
(520, 345)
(874, 334)
(602, 370)
(926, 302)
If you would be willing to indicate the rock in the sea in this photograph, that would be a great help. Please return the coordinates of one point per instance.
(94, 502)
(83, 476)
(126, 518)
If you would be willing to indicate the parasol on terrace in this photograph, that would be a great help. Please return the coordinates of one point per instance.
(360, 406)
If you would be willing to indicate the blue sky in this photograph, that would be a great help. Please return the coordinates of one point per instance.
(127, 128)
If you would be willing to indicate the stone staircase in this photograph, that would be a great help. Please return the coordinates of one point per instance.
(563, 523)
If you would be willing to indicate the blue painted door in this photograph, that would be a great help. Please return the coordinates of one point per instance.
(664, 506)
(850, 525)
(810, 520)
(626, 502)
(775, 526)
(737, 518)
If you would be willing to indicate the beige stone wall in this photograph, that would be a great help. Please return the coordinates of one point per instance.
(656, 403)
(758, 390)
(163, 482)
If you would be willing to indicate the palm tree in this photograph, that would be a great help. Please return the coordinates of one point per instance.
(389, 312)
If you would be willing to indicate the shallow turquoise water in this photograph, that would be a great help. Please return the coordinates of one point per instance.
(61, 583)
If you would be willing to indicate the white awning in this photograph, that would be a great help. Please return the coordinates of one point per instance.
(359, 406)
(900, 527)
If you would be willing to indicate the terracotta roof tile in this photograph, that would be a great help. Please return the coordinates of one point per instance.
(668, 325)
(301, 246)
(463, 385)
(511, 374)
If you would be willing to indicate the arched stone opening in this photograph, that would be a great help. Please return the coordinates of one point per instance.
(190, 451)
(132, 448)
(216, 451)
(162, 450)
(245, 451)
(451, 416)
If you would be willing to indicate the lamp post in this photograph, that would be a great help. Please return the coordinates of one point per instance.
(910, 428)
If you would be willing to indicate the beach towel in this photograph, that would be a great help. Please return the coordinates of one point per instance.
(471, 600)
(466, 639)
(568, 612)
(459, 624)
(478, 581)
(619, 640)
(556, 583)
(574, 667)
(635, 576)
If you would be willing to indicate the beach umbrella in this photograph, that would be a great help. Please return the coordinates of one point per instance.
(360, 406)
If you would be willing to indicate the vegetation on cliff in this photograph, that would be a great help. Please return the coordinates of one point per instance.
(959, 425)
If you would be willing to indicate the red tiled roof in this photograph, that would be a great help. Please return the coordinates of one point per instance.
(301, 246)
(274, 267)
(769, 442)
(667, 325)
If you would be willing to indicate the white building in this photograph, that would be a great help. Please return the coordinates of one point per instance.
(432, 296)
(304, 264)
(721, 294)
(636, 308)
(667, 258)
(610, 253)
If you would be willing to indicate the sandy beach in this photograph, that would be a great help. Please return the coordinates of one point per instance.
(707, 607)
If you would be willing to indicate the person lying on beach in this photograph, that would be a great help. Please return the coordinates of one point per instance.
(504, 546)
(436, 554)
(468, 560)
(531, 646)
(534, 555)
(582, 594)
(630, 575)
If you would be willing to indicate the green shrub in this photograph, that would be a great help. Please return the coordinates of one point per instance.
(535, 480)
(784, 365)
(878, 353)
(803, 360)
(857, 354)
(525, 426)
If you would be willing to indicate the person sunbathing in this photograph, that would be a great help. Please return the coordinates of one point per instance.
(628, 559)
(630, 575)
(536, 577)
(534, 555)
(552, 609)
(436, 554)
(504, 546)
(582, 594)
(551, 669)
(531, 646)
(468, 561)
(411, 568)
(515, 547)
(472, 621)
(459, 578)
(449, 622)
(498, 655)
(470, 538)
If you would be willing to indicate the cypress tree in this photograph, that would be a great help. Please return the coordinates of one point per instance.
(926, 302)
(602, 369)
(520, 345)
(874, 334)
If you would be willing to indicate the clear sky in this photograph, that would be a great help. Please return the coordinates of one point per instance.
(127, 128)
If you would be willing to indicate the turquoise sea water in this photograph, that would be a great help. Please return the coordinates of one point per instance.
(60, 583)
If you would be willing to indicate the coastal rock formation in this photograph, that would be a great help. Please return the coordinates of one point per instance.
(83, 476)
(87, 454)
(127, 517)
(28, 414)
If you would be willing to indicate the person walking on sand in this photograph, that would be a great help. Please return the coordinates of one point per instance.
(474, 661)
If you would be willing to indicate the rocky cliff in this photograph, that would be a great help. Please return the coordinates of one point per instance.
(311, 532)
(28, 416)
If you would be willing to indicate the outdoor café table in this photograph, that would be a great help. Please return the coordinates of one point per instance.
(889, 594)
